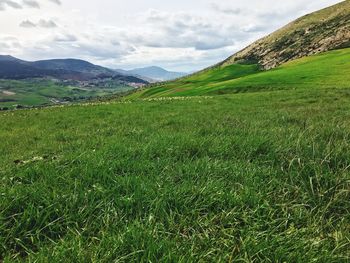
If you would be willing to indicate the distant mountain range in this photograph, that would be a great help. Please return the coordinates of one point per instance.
(64, 69)
(153, 74)
(80, 70)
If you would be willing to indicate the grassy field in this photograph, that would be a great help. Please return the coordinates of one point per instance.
(38, 92)
(249, 177)
(311, 72)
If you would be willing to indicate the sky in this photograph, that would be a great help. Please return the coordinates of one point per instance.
(179, 35)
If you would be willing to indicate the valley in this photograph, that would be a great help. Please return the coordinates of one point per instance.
(45, 92)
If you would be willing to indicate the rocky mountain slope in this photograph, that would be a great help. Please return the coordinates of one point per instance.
(318, 32)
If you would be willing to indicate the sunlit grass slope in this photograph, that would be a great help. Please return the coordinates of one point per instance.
(251, 177)
(327, 70)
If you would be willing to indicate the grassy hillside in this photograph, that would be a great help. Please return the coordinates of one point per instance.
(318, 71)
(258, 174)
(251, 177)
(38, 92)
(314, 33)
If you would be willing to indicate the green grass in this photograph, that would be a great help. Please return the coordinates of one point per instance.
(250, 177)
(201, 80)
(320, 71)
(39, 92)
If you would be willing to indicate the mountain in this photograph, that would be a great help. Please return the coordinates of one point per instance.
(9, 58)
(154, 73)
(314, 33)
(65, 69)
(72, 65)
(16, 69)
(264, 64)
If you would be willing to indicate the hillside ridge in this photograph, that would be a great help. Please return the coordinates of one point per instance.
(314, 33)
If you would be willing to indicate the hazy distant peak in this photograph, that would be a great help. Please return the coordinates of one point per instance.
(157, 73)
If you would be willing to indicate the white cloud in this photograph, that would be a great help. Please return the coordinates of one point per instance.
(27, 24)
(57, 2)
(181, 35)
(47, 23)
(4, 4)
(41, 23)
(31, 3)
(22, 4)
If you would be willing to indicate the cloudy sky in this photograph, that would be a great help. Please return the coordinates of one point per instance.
(182, 35)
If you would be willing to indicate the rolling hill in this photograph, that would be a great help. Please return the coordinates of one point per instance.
(316, 33)
(322, 70)
(65, 69)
